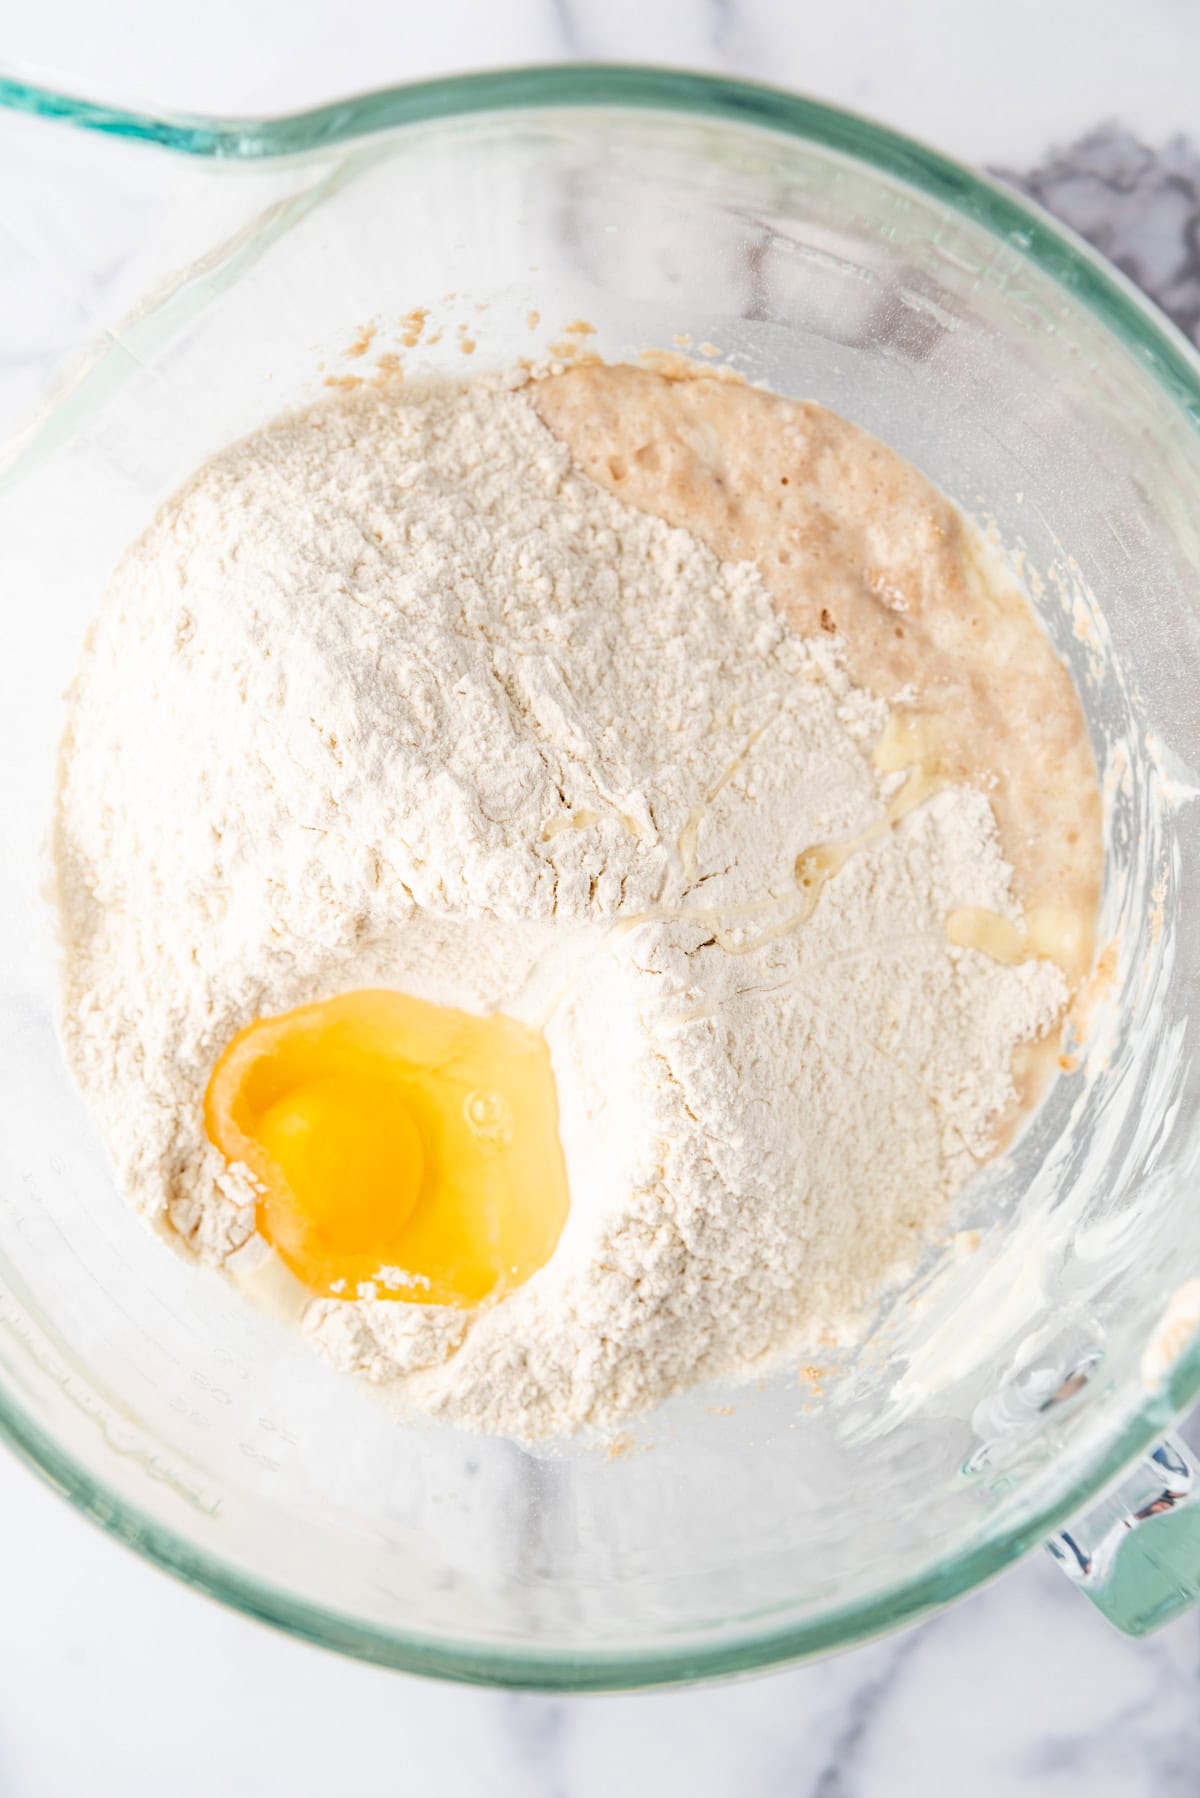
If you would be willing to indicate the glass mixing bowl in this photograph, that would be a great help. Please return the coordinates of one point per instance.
(1016, 1384)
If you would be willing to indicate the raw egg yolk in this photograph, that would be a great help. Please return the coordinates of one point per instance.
(401, 1149)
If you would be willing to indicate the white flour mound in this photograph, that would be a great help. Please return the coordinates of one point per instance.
(390, 694)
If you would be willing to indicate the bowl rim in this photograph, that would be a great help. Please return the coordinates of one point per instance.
(1143, 332)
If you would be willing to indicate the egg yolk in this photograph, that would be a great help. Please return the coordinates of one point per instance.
(401, 1148)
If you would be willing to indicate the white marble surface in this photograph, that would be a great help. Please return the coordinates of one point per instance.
(115, 1680)
(1022, 1691)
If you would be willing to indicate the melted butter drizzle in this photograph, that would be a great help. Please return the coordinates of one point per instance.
(584, 819)
(820, 863)
(908, 746)
(814, 866)
(689, 835)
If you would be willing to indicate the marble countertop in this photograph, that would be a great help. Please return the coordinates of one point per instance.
(1021, 1688)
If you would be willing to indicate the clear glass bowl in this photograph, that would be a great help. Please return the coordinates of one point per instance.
(832, 259)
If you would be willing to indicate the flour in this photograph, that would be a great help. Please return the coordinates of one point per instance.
(391, 694)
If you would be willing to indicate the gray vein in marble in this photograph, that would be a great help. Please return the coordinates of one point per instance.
(1138, 206)
(724, 23)
(563, 14)
(861, 1710)
(537, 1730)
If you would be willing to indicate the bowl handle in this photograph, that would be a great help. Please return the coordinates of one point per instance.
(1136, 1553)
